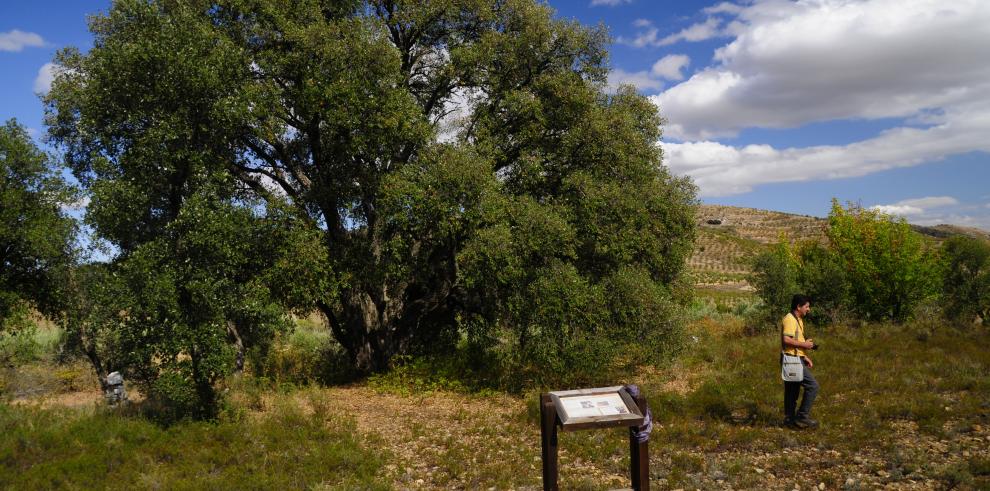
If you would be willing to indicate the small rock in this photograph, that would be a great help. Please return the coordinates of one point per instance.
(850, 482)
(821, 486)
(759, 471)
(797, 487)
(719, 476)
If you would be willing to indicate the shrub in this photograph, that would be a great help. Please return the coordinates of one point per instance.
(890, 268)
(966, 285)
(775, 279)
(822, 277)
(873, 266)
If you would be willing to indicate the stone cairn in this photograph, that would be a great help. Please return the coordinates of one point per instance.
(114, 391)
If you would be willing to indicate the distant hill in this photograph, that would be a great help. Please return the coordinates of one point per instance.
(728, 236)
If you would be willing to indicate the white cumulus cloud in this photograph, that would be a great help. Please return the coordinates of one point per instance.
(46, 75)
(667, 68)
(935, 210)
(650, 34)
(670, 66)
(916, 206)
(899, 210)
(723, 8)
(642, 80)
(792, 63)
(609, 3)
(16, 40)
(720, 169)
(697, 32)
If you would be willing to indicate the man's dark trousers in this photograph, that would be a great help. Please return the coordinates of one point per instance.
(791, 390)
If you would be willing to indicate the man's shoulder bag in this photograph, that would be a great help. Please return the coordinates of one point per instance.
(791, 368)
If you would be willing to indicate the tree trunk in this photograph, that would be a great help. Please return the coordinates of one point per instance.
(235, 338)
(97, 363)
(372, 332)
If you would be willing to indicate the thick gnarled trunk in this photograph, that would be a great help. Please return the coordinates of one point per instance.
(374, 329)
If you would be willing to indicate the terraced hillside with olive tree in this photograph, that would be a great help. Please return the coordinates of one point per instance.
(728, 237)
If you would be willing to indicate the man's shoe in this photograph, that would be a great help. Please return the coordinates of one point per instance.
(805, 423)
(789, 422)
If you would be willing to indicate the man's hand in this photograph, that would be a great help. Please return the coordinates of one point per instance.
(808, 361)
(809, 344)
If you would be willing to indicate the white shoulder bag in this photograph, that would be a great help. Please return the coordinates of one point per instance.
(791, 366)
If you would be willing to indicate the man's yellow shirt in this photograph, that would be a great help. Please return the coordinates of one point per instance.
(791, 326)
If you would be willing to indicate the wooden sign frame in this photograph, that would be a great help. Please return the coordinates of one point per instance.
(553, 413)
(632, 416)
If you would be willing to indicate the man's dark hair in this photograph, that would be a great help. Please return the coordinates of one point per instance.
(799, 300)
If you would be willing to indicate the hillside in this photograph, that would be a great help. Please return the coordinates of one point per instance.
(728, 236)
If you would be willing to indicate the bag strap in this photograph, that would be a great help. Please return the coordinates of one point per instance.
(800, 326)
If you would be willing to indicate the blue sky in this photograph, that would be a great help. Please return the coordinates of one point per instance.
(773, 104)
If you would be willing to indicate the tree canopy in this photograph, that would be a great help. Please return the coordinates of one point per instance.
(36, 237)
(967, 279)
(457, 165)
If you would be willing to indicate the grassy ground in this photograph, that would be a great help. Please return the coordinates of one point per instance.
(901, 408)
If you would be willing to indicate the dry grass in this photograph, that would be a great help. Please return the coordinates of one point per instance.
(898, 412)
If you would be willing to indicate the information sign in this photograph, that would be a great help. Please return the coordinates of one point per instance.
(596, 408)
(601, 407)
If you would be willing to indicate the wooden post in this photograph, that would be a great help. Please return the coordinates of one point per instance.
(548, 434)
(639, 454)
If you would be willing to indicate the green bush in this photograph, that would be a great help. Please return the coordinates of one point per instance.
(305, 355)
(822, 277)
(568, 331)
(890, 268)
(172, 397)
(966, 285)
(775, 279)
(19, 347)
(873, 267)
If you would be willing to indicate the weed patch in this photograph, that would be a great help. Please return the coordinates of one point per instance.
(285, 449)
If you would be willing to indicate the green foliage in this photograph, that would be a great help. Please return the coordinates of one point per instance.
(306, 355)
(822, 276)
(203, 294)
(410, 375)
(20, 346)
(889, 267)
(967, 279)
(508, 223)
(36, 237)
(775, 273)
(872, 266)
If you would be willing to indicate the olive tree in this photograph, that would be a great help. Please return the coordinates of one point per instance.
(461, 161)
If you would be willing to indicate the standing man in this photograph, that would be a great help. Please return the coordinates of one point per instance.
(792, 342)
